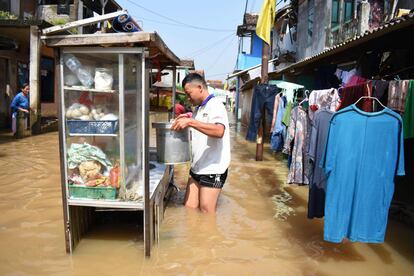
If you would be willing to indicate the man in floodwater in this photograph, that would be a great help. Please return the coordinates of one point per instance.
(210, 145)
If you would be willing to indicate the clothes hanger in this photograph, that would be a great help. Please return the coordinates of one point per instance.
(370, 97)
(306, 97)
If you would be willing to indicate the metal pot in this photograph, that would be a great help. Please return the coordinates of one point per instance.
(173, 147)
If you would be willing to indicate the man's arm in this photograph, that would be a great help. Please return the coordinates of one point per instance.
(212, 130)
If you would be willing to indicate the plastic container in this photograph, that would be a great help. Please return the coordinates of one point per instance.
(173, 147)
(77, 191)
(104, 78)
(92, 127)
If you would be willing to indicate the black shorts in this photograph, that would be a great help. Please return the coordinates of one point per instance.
(210, 180)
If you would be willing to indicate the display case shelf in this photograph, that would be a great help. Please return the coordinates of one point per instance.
(138, 205)
(92, 134)
(85, 89)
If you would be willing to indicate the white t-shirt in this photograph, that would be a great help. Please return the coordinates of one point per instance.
(210, 155)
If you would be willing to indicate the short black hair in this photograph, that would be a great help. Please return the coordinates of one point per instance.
(24, 85)
(194, 77)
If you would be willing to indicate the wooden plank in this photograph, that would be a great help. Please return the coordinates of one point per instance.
(82, 22)
(96, 39)
(150, 40)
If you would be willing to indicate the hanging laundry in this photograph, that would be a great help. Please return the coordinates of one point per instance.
(296, 144)
(397, 91)
(380, 89)
(408, 117)
(327, 98)
(263, 98)
(350, 95)
(345, 76)
(275, 109)
(354, 80)
(288, 112)
(317, 186)
(279, 130)
(363, 153)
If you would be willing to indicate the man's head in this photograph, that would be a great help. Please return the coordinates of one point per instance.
(195, 87)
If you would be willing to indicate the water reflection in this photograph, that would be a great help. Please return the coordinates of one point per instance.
(260, 227)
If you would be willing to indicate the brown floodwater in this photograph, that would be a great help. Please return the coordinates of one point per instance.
(260, 227)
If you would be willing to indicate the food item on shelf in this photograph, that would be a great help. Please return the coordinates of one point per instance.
(75, 179)
(84, 110)
(103, 78)
(114, 176)
(109, 117)
(89, 169)
(84, 117)
(76, 111)
(99, 180)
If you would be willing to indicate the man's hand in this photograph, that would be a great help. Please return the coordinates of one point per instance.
(181, 123)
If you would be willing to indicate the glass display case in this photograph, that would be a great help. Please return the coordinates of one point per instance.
(101, 103)
(106, 161)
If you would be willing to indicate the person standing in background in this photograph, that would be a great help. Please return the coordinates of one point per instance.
(20, 103)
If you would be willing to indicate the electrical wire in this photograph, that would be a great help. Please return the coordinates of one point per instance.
(219, 56)
(209, 47)
(179, 22)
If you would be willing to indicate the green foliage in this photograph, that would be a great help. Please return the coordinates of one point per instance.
(7, 15)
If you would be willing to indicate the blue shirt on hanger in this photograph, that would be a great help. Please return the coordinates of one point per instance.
(364, 152)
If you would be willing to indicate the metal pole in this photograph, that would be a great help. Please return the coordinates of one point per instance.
(174, 90)
(145, 162)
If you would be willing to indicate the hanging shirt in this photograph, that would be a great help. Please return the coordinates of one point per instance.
(363, 153)
(279, 129)
(408, 116)
(351, 94)
(397, 91)
(326, 98)
(288, 111)
(296, 144)
(317, 186)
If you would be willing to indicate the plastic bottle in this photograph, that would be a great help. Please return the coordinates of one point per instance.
(76, 67)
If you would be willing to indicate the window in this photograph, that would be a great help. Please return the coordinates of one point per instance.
(311, 15)
(5, 5)
(335, 13)
(348, 10)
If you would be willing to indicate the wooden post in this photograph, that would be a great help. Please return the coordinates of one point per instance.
(263, 80)
(34, 79)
